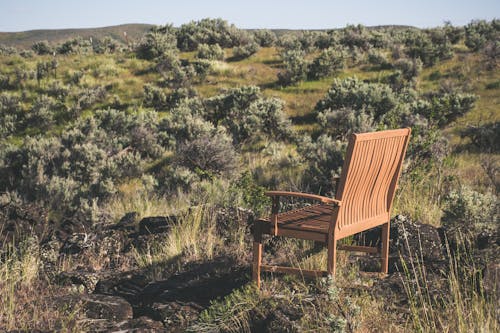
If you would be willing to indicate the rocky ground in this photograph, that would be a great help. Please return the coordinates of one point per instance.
(117, 295)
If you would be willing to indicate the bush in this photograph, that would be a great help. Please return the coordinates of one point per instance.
(410, 68)
(375, 98)
(42, 113)
(327, 63)
(479, 32)
(469, 210)
(377, 58)
(485, 137)
(157, 42)
(246, 114)
(208, 155)
(344, 121)
(430, 50)
(296, 67)
(264, 37)
(210, 52)
(207, 31)
(42, 48)
(445, 108)
(245, 50)
(324, 158)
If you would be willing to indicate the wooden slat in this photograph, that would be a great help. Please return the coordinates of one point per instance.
(293, 270)
(355, 248)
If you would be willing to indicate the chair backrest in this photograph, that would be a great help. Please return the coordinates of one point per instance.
(369, 178)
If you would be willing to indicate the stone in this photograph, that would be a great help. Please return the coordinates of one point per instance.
(106, 307)
(77, 242)
(128, 222)
(156, 224)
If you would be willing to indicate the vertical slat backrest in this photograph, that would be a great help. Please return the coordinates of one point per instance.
(369, 177)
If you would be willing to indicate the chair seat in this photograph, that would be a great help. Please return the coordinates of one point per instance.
(315, 218)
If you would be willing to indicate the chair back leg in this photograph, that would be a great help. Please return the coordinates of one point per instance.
(257, 254)
(384, 253)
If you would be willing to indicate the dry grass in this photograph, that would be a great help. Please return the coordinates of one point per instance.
(193, 237)
(26, 300)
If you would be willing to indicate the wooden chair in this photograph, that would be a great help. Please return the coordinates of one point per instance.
(363, 201)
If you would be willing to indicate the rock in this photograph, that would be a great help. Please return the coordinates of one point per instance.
(141, 243)
(49, 255)
(77, 242)
(411, 238)
(283, 319)
(128, 222)
(128, 285)
(98, 312)
(134, 325)
(175, 314)
(230, 219)
(106, 307)
(85, 278)
(408, 239)
(79, 278)
(17, 220)
(156, 224)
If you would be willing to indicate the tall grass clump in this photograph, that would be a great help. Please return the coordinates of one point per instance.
(463, 297)
(192, 236)
(25, 296)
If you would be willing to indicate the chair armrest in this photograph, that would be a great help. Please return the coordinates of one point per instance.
(303, 195)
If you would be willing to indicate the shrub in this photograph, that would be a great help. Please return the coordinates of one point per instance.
(89, 96)
(208, 155)
(377, 58)
(246, 114)
(157, 42)
(173, 73)
(207, 31)
(42, 48)
(296, 67)
(445, 108)
(375, 98)
(429, 49)
(324, 158)
(410, 68)
(210, 52)
(264, 37)
(42, 113)
(154, 97)
(479, 32)
(485, 137)
(467, 209)
(344, 121)
(58, 90)
(245, 50)
(328, 62)
(105, 45)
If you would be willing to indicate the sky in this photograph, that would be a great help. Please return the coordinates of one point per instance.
(21, 15)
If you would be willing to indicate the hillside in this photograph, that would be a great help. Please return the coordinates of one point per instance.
(130, 179)
(26, 39)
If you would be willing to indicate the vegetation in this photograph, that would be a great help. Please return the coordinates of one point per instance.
(196, 122)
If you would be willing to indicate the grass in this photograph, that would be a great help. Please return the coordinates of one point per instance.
(463, 299)
(193, 237)
(26, 298)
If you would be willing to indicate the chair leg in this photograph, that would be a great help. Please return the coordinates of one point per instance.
(257, 255)
(385, 248)
(332, 255)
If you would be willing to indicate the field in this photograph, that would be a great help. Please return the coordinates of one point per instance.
(131, 173)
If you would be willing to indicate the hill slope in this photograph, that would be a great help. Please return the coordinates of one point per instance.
(25, 39)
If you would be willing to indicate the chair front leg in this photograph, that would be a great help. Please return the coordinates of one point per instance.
(257, 254)
(332, 255)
